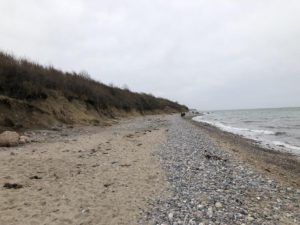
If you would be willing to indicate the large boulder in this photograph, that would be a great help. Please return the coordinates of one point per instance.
(9, 139)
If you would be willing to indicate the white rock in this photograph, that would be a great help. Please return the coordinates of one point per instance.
(200, 206)
(250, 218)
(218, 205)
(210, 212)
(9, 139)
(171, 215)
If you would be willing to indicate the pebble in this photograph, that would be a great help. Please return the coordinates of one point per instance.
(171, 216)
(210, 212)
(249, 218)
(198, 184)
(218, 205)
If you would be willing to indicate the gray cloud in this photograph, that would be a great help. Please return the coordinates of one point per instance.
(206, 54)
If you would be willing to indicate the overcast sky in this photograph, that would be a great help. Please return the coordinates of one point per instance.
(207, 54)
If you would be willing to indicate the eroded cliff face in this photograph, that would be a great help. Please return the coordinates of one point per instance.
(55, 110)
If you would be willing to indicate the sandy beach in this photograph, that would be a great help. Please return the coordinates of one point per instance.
(146, 170)
(84, 175)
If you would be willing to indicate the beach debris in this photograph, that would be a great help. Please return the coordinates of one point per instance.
(35, 177)
(108, 185)
(213, 157)
(93, 151)
(125, 165)
(12, 186)
(9, 139)
(129, 136)
(85, 211)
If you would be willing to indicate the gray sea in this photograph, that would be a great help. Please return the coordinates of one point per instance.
(273, 128)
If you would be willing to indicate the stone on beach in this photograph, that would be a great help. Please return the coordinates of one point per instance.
(24, 140)
(218, 205)
(9, 139)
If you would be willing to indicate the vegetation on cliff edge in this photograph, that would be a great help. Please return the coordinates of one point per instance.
(29, 81)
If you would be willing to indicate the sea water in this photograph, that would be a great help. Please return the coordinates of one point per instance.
(274, 128)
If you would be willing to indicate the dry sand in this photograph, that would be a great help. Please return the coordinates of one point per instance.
(88, 175)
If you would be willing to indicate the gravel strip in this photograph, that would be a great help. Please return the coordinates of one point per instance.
(209, 187)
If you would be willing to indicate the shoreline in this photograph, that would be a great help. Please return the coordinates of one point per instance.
(145, 170)
(281, 166)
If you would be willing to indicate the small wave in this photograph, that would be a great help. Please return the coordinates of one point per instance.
(263, 132)
(235, 130)
(280, 133)
(269, 127)
(249, 121)
(285, 145)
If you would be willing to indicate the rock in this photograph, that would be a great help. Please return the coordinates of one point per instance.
(218, 205)
(24, 140)
(200, 206)
(170, 216)
(210, 212)
(250, 218)
(9, 139)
